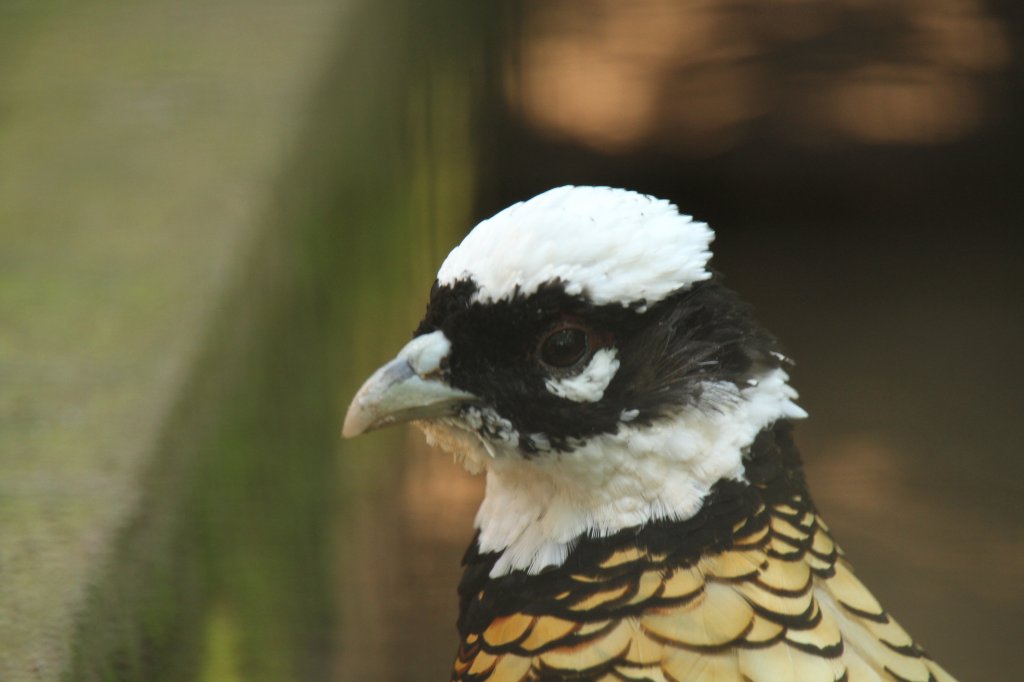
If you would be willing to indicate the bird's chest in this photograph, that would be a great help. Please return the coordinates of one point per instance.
(768, 598)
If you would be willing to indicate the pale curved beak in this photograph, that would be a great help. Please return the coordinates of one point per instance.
(407, 388)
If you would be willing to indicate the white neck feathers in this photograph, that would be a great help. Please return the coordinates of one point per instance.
(535, 508)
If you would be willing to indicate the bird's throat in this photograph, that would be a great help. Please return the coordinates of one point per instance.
(535, 510)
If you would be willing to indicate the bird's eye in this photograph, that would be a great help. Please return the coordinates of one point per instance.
(564, 347)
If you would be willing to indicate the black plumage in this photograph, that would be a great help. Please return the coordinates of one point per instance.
(669, 352)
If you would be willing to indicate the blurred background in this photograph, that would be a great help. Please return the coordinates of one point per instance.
(216, 218)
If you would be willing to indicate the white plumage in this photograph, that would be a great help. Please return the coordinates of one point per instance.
(610, 245)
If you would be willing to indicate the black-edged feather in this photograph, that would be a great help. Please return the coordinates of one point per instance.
(733, 509)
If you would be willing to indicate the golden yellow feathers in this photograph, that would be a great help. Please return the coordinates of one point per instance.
(780, 604)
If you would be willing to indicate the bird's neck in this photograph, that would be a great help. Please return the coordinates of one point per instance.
(732, 512)
(536, 510)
